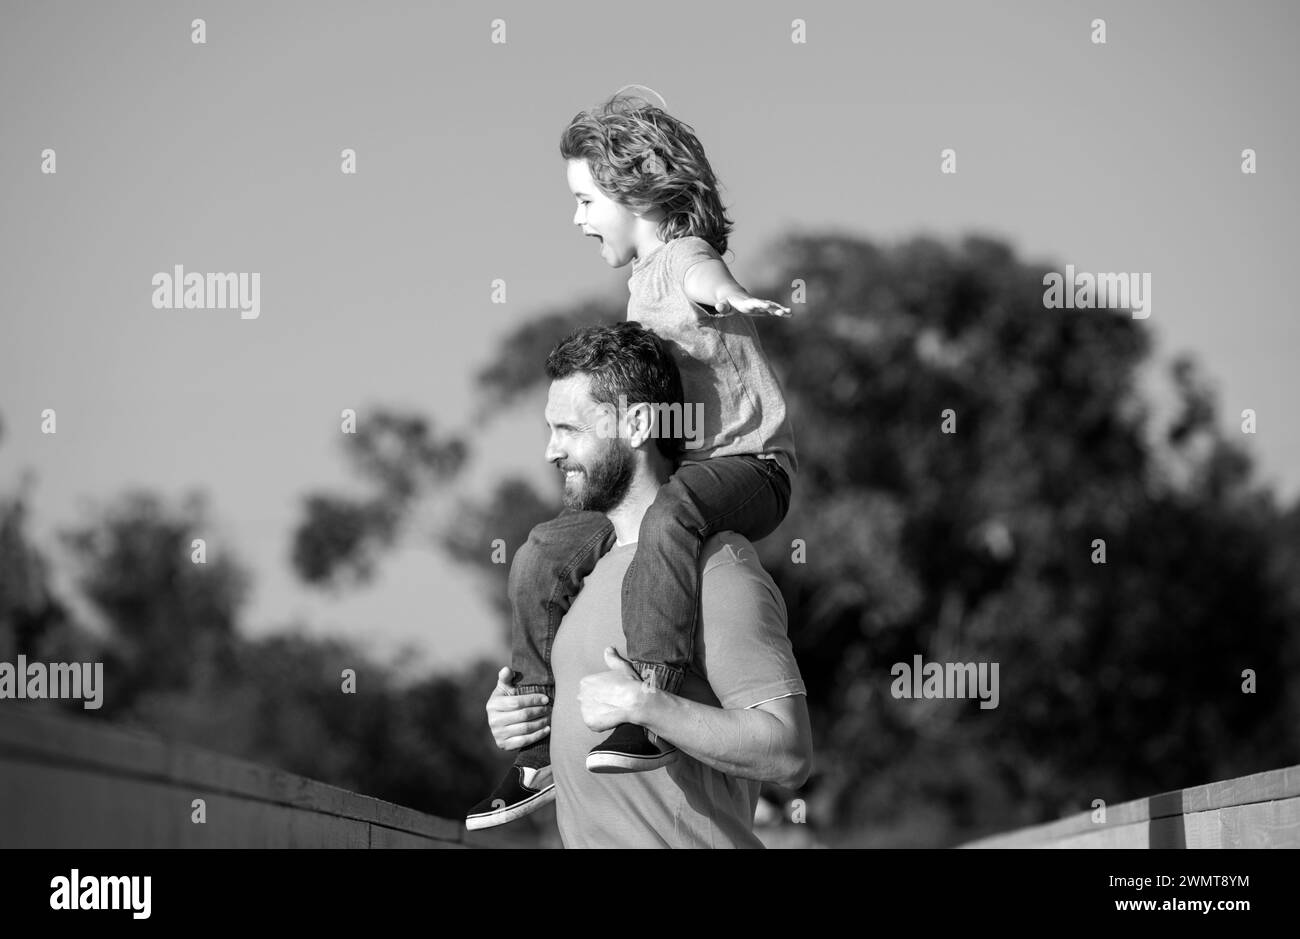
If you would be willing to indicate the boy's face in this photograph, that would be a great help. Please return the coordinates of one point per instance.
(600, 216)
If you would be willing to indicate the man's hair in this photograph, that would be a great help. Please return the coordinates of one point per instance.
(623, 359)
(639, 153)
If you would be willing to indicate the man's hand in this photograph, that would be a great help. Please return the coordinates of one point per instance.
(753, 306)
(516, 720)
(610, 698)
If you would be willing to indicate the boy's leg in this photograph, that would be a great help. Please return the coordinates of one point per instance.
(545, 576)
(661, 590)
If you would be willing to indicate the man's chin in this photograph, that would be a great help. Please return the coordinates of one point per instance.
(573, 498)
(580, 501)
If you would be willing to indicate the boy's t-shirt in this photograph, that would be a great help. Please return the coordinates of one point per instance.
(742, 659)
(721, 360)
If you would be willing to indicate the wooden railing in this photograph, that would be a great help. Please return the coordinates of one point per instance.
(1259, 811)
(79, 783)
(67, 782)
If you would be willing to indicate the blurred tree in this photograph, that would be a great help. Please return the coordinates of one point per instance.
(509, 514)
(34, 621)
(339, 539)
(172, 621)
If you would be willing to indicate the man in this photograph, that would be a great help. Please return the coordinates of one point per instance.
(739, 718)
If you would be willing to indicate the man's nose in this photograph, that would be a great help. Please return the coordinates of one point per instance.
(553, 453)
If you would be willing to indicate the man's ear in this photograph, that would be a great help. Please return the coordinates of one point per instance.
(638, 425)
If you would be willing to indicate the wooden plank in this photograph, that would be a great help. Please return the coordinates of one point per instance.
(504, 837)
(1257, 825)
(1136, 835)
(33, 735)
(40, 732)
(50, 806)
(381, 837)
(1262, 825)
(1205, 829)
(199, 769)
(1271, 785)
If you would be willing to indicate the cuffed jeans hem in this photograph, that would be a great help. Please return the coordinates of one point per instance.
(662, 677)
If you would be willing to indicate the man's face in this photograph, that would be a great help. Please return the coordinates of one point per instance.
(596, 464)
(601, 217)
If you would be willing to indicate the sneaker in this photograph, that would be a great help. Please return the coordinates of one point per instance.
(629, 750)
(523, 791)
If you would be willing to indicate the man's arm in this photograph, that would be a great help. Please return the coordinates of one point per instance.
(769, 742)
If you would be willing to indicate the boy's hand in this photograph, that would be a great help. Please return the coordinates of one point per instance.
(752, 306)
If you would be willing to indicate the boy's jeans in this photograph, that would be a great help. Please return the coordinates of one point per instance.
(661, 590)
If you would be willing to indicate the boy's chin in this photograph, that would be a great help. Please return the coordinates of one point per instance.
(612, 259)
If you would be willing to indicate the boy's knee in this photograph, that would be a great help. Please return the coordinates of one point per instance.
(666, 519)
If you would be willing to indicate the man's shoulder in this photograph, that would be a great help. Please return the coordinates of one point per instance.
(743, 644)
(728, 554)
(733, 582)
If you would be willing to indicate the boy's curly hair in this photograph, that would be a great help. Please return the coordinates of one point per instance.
(639, 153)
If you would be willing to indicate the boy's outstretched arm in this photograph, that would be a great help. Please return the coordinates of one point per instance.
(711, 285)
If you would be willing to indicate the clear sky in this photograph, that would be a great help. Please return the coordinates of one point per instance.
(375, 287)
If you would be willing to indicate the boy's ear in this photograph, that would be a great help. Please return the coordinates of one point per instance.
(651, 213)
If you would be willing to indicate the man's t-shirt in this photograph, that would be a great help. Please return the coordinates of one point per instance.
(742, 658)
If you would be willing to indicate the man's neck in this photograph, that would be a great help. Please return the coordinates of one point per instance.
(627, 515)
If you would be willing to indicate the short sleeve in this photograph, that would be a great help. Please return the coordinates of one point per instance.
(743, 646)
(687, 252)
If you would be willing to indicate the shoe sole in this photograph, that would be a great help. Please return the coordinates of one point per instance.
(604, 762)
(517, 811)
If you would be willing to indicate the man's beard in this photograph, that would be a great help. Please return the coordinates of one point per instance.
(605, 482)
